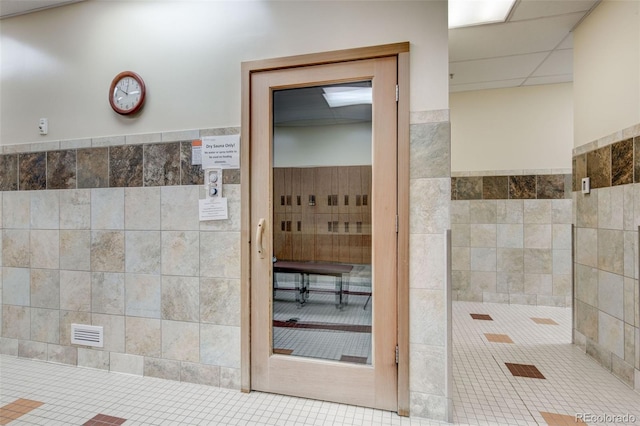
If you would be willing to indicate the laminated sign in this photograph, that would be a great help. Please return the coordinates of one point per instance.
(221, 152)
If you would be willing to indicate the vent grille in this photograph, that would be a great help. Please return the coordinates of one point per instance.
(87, 335)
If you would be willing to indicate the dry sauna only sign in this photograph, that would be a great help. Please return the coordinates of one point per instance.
(221, 152)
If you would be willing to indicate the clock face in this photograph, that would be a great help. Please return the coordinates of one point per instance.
(127, 93)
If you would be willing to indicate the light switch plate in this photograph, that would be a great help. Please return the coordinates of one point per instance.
(586, 185)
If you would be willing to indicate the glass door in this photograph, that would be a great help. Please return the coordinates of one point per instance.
(323, 208)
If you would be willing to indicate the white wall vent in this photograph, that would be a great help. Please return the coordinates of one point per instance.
(87, 335)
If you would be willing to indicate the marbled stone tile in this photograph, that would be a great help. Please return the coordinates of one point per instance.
(32, 350)
(482, 235)
(562, 211)
(483, 211)
(107, 293)
(179, 208)
(611, 208)
(230, 378)
(622, 162)
(45, 288)
(107, 208)
(93, 167)
(113, 328)
(538, 284)
(611, 334)
(430, 146)
(220, 345)
(510, 211)
(510, 260)
(143, 336)
(611, 251)
(162, 368)
(180, 298)
(9, 172)
(62, 354)
(562, 262)
(45, 206)
(428, 406)
(231, 177)
(537, 211)
(636, 160)
(495, 187)
(538, 261)
(75, 249)
(483, 259)
(45, 325)
(15, 286)
(75, 209)
(143, 295)
(107, 251)
(550, 187)
(142, 250)
(92, 358)
(142, 209)
(467, 188)
(427, 371)
(460, 212)
(202, 374)
(127, 364)
(510, 235)
(15, 248)
(16, 322)
(587, 209)
(180, 253)
(598, 352)
(460, 236)
(71, 317)
(61, 169)
(587, 320)
(219, 254)
(75, 291)
(537, 236)
(522, 187)
(427, 313)
(16, 208)
(192, 174)
(460, 261)
(510, 282)
(32, 171)
(125, 165)
(45, 249)
(162, 164)
(427, 266)
(220, 301)
(599, 167)
(611, 294)
(181, 341)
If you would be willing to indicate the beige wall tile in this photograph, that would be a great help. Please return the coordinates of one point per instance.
(611, 334)
(143, 336)
(220, 301)
(75, 250)
(75, 291)
(107, 251)
(16, 287)
(587, 246)
(537, 211)
(45, 206)
(611, 251)
(220, 254)
(427, 317)
(460, 261)
(16, 210)
(510, 211)
(587, 209)
(143, 295)
(180, 341)
(179, 208)
(538, 261)
(483, 211)
(71, 317)
(93, 358)
(483, 259)
(538, 284)
(562, 211)
(232, 193)
(510, 282)
(611, 294)
(180, 298)
(429, 209)
(114, 331)
(611, 208)
(538, 236)
(107, 208)
(220, 345)
(75, 209)
(127, 363)
(181, 253)
(45, 249)
(230, 378)
(162, 368)
(483, 235)
(142, 208)
(62, 354)
(15, 248)
(427, 370)
(143, 251)
(561, 237)
(510, 236)
(32, 350)
(202, 374)
(45, 288)
(107, 293)
(510, 260)
(460, 212)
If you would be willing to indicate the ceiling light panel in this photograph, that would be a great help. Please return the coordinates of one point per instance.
(465, 13)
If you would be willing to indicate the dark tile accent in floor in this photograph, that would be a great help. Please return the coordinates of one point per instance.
(324, 326)
(104, 420)
(354, 359)
(498, 338)
(280, 351)
(524, 370)
(483, 317)
(17, 409)
(554, 419)
(547, 321)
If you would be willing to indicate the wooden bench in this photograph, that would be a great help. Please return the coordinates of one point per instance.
(304, 269)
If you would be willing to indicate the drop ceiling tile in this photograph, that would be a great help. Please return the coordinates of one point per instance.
(532, 9)
(558, 62)
(513, 38)
(567, 43)
(485, 70)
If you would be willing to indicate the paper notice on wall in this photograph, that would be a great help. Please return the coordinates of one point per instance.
(221, 152)
(213, 209)
(196, 152)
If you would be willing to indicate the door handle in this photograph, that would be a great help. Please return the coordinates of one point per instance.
(259, 232)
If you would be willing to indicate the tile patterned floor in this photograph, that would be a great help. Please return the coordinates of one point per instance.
(485, 392)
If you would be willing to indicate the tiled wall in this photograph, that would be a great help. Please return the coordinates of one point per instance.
(511, 238)
(607, 296)
(107, 233)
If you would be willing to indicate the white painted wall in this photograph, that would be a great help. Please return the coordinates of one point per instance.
(520, 128)
(59, 63)
(606, 68)
(316, 146)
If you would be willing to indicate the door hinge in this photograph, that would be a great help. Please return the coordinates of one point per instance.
(397, 93)
(397, 225)
(397, 354)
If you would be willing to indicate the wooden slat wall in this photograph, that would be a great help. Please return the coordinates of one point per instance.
(337, 228)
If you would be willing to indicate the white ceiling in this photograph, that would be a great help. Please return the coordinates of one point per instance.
(534, 46)
(10, 8)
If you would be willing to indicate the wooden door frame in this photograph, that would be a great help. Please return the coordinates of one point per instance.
(401, 51)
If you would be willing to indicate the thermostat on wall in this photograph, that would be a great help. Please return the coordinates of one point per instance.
(586, 185)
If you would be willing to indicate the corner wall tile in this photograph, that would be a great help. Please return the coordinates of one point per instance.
(622, 162)
(430, 147)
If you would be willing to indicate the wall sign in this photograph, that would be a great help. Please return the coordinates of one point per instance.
(221, 152)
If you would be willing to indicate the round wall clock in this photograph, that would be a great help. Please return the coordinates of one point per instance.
(127, 93)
